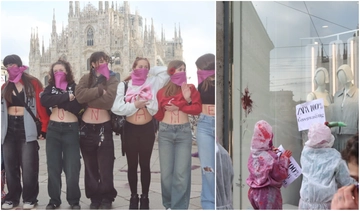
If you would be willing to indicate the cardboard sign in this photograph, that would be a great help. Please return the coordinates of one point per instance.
(309, 113)
(294, 170)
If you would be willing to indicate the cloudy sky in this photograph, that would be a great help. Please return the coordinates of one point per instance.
(288, 23)
(196, 19)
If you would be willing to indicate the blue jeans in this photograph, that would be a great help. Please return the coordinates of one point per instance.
(205, 138)
(175, 142)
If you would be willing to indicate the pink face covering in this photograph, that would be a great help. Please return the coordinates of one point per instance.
(15, 73)
(60, 80)
(203, 74)
(103, 69)
(179, 78)
(138, 76)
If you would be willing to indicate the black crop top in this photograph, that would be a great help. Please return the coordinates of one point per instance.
(16, 101)
(208, 96)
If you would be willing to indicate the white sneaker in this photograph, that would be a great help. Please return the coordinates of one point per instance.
(7, 205)
(28, 205)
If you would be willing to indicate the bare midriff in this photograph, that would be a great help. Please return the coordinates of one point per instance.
(175, 117)
(208, 109)
(16, 111)
(141, 117)
(95, 116)
(60, 115)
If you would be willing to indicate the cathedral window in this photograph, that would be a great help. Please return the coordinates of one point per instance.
(90, 37)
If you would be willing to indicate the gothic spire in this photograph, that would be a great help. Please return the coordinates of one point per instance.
(77, 8)
(179, 32)
(152, 29)
(54, 23)
(162, 33)
(43, 47)
(71, 9)
(175, 35)
(100, 6)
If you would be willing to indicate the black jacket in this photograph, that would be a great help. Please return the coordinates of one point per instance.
(54, 97)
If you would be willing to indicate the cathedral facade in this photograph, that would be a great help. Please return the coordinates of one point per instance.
(121, 35)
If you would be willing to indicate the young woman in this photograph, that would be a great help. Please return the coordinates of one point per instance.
(205, 135)
(98, 90)
(176, 101)
(19, 133)
(139, 104)
(62, 142)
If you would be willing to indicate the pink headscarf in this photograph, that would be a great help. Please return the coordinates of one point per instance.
(103, 69)
(138, 76)
(60, 80)
(203, 74)
(15, 73)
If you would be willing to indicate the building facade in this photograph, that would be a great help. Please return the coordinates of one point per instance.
(109, 28)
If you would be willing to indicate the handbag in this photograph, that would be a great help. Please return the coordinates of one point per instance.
(36, 120)
(118, 121)
(118, 124)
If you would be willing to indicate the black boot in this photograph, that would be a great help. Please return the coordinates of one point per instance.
(134, 202)
(144, 202)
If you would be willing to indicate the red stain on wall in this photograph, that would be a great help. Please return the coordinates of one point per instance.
(246, 101)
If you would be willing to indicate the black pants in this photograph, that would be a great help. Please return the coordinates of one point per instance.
(20, 154)
(63, 153)
(139, 142)
(98, 160)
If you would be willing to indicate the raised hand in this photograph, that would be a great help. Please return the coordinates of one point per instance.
(186, 92)
(287, 153)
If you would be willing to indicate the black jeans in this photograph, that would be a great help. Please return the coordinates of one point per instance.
(20, 154)
(98, 160)
(139, 141)
(63, 153)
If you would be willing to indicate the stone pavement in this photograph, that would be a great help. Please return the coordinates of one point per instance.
(120, 180)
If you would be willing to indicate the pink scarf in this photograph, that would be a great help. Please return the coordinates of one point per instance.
(138, 76)
(15, 73)
(203, 74)
(179, 78)
(144, 93)
(60, 80)
(103, 69)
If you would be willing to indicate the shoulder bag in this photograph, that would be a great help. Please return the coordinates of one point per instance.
(36, 120)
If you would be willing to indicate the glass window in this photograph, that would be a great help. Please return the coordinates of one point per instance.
(284, 54)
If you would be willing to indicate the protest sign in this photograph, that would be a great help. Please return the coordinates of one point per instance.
(309, 113)
(294, 170)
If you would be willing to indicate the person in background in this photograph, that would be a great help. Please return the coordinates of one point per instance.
(176, 100)
(139, 104)
(351, 155)
(62, 142)
(346, 198)
(97, 90)
(224, 179)
(19, 133)
(205, 134)
(323, 169)
(267, 170)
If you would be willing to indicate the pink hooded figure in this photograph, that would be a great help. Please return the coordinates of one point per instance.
(267, 170)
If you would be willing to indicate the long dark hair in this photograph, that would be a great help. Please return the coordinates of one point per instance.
(172, 89)
(26, 79)
(206, 62)
(94, 58)
(69, 74)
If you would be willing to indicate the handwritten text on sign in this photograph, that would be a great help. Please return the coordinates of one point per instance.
(294, 170)
(309, 113)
